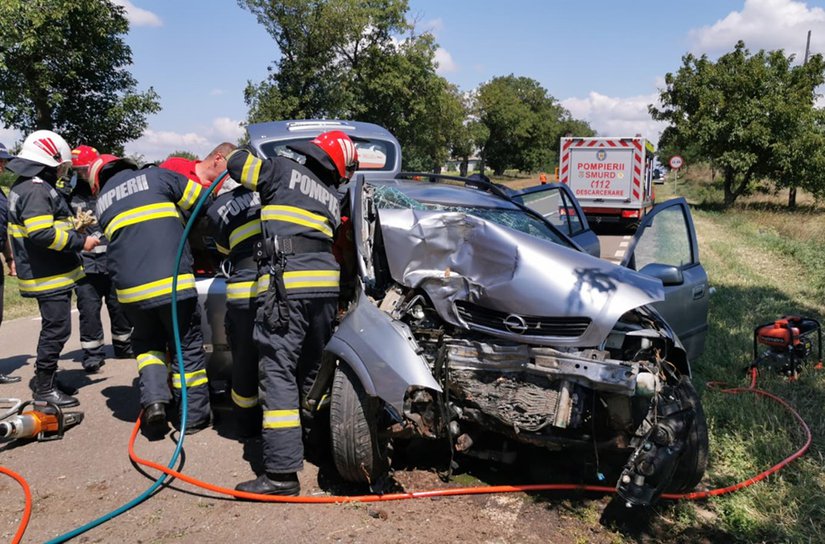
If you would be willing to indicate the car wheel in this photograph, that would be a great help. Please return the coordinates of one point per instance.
(360, 455)
(694, 460)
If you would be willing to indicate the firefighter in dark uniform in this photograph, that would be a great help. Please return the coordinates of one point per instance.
(5, 247)
(96, 286)
(235, 217)
(294, 316)
(46, 250)
(140, 213)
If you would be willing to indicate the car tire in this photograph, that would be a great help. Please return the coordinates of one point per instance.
(694, 461)
(360, 455)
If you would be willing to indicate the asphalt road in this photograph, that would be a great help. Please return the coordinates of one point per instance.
(88, 473)
(613, 244)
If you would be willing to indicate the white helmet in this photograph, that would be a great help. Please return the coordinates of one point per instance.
(46, 147)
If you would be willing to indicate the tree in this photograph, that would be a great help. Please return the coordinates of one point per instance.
(741, 113)
(524, 124)
(63, 67)
(184, 154)
(349, 59)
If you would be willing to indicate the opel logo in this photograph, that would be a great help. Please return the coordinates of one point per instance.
(515, 324)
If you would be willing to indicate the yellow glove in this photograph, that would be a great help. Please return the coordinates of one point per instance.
(84, 219)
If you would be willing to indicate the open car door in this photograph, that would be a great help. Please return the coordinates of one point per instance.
(556, 203)
(665, 247)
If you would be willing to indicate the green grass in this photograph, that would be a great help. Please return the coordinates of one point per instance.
(764, 262)
(14, 305)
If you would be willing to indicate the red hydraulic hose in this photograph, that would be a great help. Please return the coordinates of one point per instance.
(482, 490)
(27, 511)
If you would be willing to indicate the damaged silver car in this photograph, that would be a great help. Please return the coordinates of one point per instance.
(475, 316)
(472, 319)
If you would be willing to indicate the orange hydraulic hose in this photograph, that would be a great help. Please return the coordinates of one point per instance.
(482, 490)
(27, 511)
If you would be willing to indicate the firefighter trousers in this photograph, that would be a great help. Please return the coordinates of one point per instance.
(91, 292)
(240, 325)
(152, 336)
(289, 362)
(55, 329)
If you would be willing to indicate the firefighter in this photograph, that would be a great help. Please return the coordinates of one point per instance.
(96, 286)
(46, 250)
(140, 213)
(235, 218)
(5, 247)
(203, 172)
(294, 315)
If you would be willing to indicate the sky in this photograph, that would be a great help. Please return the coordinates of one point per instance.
(603, 60)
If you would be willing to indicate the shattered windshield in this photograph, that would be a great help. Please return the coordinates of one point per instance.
(392, 198)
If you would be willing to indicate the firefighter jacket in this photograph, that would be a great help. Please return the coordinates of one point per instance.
(94, 261)
(44, 241)
(295, 204)
(4, 220)
(140, 212)
(235, 217)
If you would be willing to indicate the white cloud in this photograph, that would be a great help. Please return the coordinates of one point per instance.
(445, 61)
(156, 145)
(224, 128)
(217, 92)
(9, 136)
(763, 24)
(433, 26)
(612, 116)
(139, 16)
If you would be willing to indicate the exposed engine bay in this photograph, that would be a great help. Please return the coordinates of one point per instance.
(627, 396)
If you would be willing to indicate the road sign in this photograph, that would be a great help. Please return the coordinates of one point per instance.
(676, 162)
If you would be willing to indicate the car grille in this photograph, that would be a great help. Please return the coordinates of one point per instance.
(477, 316)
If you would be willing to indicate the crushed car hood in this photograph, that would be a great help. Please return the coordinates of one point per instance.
(503, 279)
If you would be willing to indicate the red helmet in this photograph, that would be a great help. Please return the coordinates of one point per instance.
(338, 146)
(83, 155)
(95, 168)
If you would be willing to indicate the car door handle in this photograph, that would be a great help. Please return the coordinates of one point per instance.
(698, 292)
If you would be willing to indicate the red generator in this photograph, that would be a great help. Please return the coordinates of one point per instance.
(789, 343)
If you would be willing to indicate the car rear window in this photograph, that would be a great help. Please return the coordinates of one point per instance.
(392, 198)
(374, 155)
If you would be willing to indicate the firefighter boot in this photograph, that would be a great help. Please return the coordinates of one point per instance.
(45, 390)
(271, 483)
(154, 414)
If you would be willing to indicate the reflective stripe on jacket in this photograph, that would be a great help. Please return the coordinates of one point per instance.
(44, 241)
(295, 203)
(140, 212)
(235, 218)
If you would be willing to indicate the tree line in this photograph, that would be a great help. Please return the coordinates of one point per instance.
(753, 117)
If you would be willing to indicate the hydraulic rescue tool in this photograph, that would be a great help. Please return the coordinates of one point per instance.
(43, 421)
(789, 341)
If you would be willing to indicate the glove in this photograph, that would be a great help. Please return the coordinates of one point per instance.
(84, 219)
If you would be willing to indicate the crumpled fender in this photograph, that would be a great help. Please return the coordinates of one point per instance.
(382, 352)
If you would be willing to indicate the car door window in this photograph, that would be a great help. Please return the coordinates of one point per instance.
(665, 241)
(554, 206)
(571, 215)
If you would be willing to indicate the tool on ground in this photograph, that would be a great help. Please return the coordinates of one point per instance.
(790, 343)
(44, 421)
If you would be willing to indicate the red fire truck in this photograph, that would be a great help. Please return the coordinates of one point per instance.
(611, 177)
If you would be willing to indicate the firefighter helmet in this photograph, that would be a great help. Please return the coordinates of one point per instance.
(340, 149)
(83, 156)
(47, 148)
(95, 168)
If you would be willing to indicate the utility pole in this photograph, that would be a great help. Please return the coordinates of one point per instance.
(792, 191)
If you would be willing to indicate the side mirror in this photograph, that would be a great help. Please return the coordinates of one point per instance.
(669, 274)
